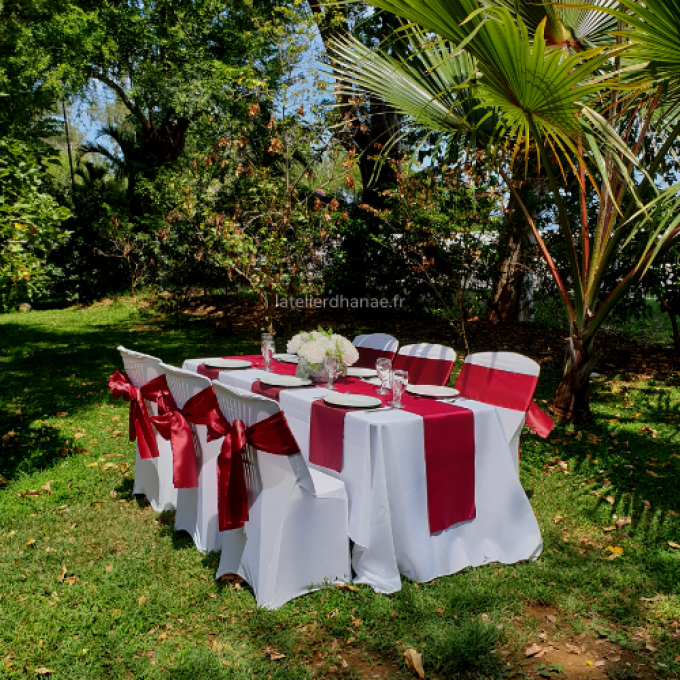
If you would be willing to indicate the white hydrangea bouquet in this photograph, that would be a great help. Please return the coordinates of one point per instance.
(314, 347)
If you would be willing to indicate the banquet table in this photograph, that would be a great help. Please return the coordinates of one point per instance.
(384, 472)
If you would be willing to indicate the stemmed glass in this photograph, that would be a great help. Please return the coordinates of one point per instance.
(332, 366)
(399, 383)
(383, 366)
(267, 350)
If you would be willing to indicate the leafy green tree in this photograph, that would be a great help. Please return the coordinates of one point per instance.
(535, 97)
(30, 223)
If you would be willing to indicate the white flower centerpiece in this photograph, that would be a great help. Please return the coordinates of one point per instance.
(314, 347)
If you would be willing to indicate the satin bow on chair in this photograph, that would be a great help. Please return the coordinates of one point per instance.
(140, 429)
(174, 424)
(272, 435)
(507, 390)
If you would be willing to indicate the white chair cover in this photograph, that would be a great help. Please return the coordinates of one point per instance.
(513, 421)
(296, 539)
(153, 477)
(426, 351)
(197, 508)
(381, 341)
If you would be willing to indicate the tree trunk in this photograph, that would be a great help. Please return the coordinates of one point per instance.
(572, 399)
(504, 304)
(676, 334)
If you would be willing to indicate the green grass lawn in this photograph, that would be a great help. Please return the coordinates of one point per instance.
(94, 584)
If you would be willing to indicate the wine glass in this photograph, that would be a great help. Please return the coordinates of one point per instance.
(267, 350)
(399, 382)
(383, 366)
(332, 366)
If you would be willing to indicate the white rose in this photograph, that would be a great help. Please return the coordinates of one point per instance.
(350, 354)
(314, 351)
(295, 343)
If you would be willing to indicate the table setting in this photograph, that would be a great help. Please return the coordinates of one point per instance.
(430, 479)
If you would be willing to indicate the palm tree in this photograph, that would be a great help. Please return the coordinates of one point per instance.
(581, 105)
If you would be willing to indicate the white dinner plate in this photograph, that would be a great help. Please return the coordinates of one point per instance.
(352, 400)
(361, 372)
(287, 358)
(284, 380)
(218, 362)
(432, 391)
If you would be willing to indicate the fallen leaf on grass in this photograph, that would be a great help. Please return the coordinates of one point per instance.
(108, 466)
(611, 500)
(43, 671)
(4, 480)
(615, 551)
(30, 541)
(414, 662)
(647, 505)
(71, 580)
(92, 465)
(141, 601)
(650, 647)
(273, 654)
(674, 545)
(62, 573)
(558, 519)
(28, 492)
(11, 533)
(651, 473)
(109, 567)
(346, 586)
(47, 488)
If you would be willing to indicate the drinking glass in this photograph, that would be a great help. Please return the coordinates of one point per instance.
(383, 366)
(399, 382)
(332, 365)
(267, 350)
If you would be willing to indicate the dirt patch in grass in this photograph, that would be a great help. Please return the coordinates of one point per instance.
(339, 661)
(588, 655)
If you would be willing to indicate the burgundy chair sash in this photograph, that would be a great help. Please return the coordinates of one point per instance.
(507, 390)
(140, 429)
(272, 435)
(368, 356)
(423, 370)
(174, 424)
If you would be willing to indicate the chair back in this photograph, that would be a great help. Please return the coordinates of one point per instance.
(273, 469)
(505, 361)
(140, 368)
(373, 347)
(183, 384)
(426, 364)
(488, 377)
(502, 379)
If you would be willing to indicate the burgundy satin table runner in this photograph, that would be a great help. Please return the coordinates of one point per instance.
(278, 367)
(449, 450)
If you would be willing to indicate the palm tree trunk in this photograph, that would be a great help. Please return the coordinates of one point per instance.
(513, 246)
(572, 398)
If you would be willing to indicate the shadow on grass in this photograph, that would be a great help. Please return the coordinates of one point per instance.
(52, 372)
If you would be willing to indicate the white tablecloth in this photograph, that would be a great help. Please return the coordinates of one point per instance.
(384, 475)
